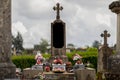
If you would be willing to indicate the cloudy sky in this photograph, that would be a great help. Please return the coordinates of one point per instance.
(85, 20)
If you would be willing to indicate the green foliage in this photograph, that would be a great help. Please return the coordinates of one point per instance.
(88, 52)
(46, 56)
(23, 61)
(25, 52)
(17, 42)
(70, 45)
(92, 60)
(96, 44)
(43, 45)
(90, 55)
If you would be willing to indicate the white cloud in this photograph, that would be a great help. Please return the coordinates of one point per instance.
(85, 20)
(103, 19)
(18, 27)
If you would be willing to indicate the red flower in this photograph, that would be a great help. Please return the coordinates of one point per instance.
(47, 68)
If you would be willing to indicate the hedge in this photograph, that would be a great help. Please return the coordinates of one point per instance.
(23, 61)
(26, 61)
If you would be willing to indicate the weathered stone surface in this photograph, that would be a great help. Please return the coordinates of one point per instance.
(29, 73)
(85, 74)
(6, 65)
(60, 76)
(115, 8)
(37, 67)
(103, 54)
(114, 60)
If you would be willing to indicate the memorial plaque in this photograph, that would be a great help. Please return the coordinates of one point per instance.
(58, 68)
(58, 35)
(37, 67)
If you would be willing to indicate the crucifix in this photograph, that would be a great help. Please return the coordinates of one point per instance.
(58, 8)
(105, 35)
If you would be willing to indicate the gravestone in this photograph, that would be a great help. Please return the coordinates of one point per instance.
(103, 54)
(37, 67)
(113, 72)
(85, 74)
(30, 73)
(7, 68)
(60, 76)
(58, 37)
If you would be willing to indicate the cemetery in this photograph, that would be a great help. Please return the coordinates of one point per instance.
(58, 65)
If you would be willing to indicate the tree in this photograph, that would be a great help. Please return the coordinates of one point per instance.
(70, 45)
(43, 45)
(17, 42)
(96, 44)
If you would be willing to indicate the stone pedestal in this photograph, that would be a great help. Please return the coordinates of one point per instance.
(7, 71)
(58, 67)
(113, 72)
(60, 76)
(85, 74)
(30, 74)
(103, 55)
(7, 68)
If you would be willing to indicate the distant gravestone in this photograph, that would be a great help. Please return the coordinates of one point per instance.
(7, 68)
(58, 37)
(103, 54)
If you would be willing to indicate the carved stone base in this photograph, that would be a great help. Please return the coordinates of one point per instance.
(112, 76)
(7, 71)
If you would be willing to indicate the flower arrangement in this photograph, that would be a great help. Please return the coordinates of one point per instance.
(57, 61)
(77, 57)
(58, 69)
(58, 65)
(39, 58)
(47, 68)
(68, 64)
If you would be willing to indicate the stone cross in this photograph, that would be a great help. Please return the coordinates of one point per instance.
(105, 35)
(58, 8)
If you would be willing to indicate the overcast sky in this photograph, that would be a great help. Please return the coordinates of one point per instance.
(85, 20)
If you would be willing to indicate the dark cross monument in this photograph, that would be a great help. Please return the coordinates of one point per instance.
(104, 53)
(58, 8)
(105, 35)
(58, 36)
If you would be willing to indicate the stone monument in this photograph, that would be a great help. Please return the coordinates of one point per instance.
(85, 74)
(7, 68)
(58, 37)
(103, 54)
(114, 60)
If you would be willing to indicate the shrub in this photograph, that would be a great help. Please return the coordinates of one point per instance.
(92, 60)
(23, 61)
